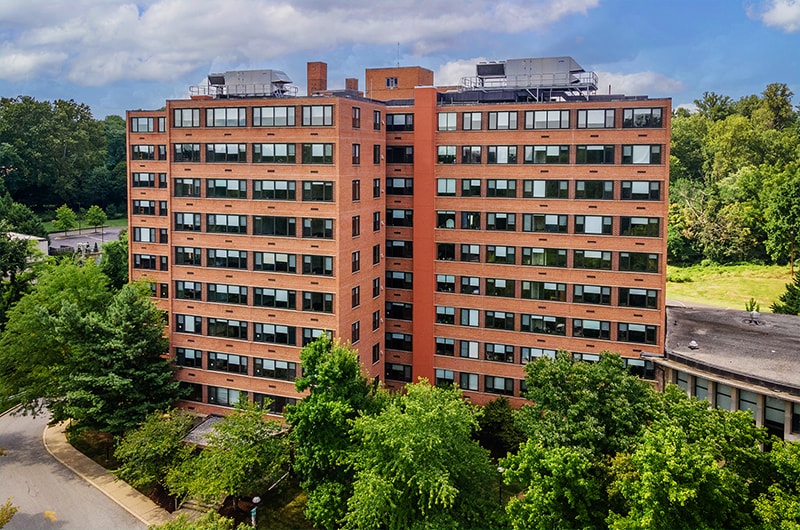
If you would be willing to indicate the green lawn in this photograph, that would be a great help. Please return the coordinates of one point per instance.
(727, 286)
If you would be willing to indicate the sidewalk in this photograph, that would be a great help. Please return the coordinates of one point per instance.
(148, 512)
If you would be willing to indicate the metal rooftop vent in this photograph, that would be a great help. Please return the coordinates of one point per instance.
(246, 83)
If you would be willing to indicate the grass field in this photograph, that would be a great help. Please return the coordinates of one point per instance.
(728, 286)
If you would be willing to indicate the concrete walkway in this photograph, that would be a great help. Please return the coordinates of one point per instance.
(138, 505)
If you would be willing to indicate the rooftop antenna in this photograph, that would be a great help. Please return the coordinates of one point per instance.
(398, 55)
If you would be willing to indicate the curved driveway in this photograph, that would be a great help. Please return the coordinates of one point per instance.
(49, 495)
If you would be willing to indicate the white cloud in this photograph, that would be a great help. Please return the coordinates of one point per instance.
(637, 84)
(783, 14)
(98, 42)
(451, 73)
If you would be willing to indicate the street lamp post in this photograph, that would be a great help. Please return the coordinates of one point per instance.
(500, 471)
(256, 500)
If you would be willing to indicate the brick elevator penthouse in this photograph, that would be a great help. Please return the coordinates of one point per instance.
(451, 233)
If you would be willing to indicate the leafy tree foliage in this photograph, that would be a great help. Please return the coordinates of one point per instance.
(338, 393)
(114, 260)
(210, 521)
(789, 302)
(7, 511)
(66, 219)
(782, 214)
(18, 265)
(20, 218)
(497, 431)
(779, 507)
(417, 465)
(95, 216)
(153, 448)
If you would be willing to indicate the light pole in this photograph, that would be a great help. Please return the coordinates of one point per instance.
(500, 471)
(256, 500)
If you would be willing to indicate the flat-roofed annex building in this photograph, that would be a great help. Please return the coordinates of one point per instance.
(448, 233)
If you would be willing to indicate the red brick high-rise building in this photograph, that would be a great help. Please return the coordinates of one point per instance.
(447, 233)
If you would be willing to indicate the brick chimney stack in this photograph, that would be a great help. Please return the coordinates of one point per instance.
(351, 83)
(317, 77)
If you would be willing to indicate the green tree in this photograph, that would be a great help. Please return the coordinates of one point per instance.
(782, 214)
(114, 260)
(20, 218)
(498, 433)
(417, 465)
(777, 100)
(95, 216)
(210, 521)
(7, 511)
(789, 302)
(713, 106)
(779, 507)
(148, 452)
(244, 454)
(66, 219)
(338, 392)
(19, 264)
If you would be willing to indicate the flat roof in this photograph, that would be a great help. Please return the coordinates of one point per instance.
(760, 349)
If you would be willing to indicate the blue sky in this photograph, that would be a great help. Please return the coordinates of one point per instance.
(115, 55)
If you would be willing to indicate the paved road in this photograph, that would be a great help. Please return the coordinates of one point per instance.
(49, 495)
(87, 235)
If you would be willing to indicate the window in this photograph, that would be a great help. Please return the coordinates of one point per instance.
(355, 331)
(499, 385)
(188, 290)
(391, 82)
(470, 285)
(594, 189)
(445, 346)
(527, 354)
(318, 191)
(142, 125)
(144, 235)
(376, 120)
(376, 188)
(356, 225)
(226, 397)
(320, 302)
(376, 320)
(186, 118)
(398, 341)
(226, 153)
(399, 310)
(501, 254)
(355, 190)
(468, 381)
(592, 224)
(226, 117)
(468, 349)
(547, 119)
(275, 190)
(591, 294)
(646, 298)
(223, 362)
(641, 333)
(471, 154)
(639, 226)
(317, 115)
(264, 225)
(638, 262)
(376, 221)
(594, 154)
(318, 265)
(550, 291)
(274, 153)
(592, 259)
(501, 221)
(226, 188)
(470, 253)
(501, 188)
(504, 120)
(187, 187)
(186, 153)
(500, 287)
(399, 122)
(445, 219)
(229, 224)
(445, 315)
(275, 334)
(446, 154)
(162, 208)
(376, 154)
(188, 324)
(312, 334)
(445, 378)
(376, 352)
(187, 256)
(145, 261)
(469, 317)
(641, 154)
(499, 320)
(317, 228)
(232, 259)
(641, 118)
(376, 287)
(544, 257)
(355, 261)
(356, 114)
(275, 262)
(546, 154)
(500, 353)
(544, 189)
(143, 152)
(502, 154)
(399, 154)
(229, 294)
(144, 180)
(400, 217)
(273, 117)
(194, 391)
(398, 372)
(376, 254)
(539, 222)
(278, 298)
(275, 369)
(188, 357)
(317, 153)
(445, 283)
(596, 119)
(591, 329)
(399, 186)
(470, 220)
(471, 121)
(641, 190)
(447, 121)
(399, 280)
(356, 154)
(548, 325)
(470, 188)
